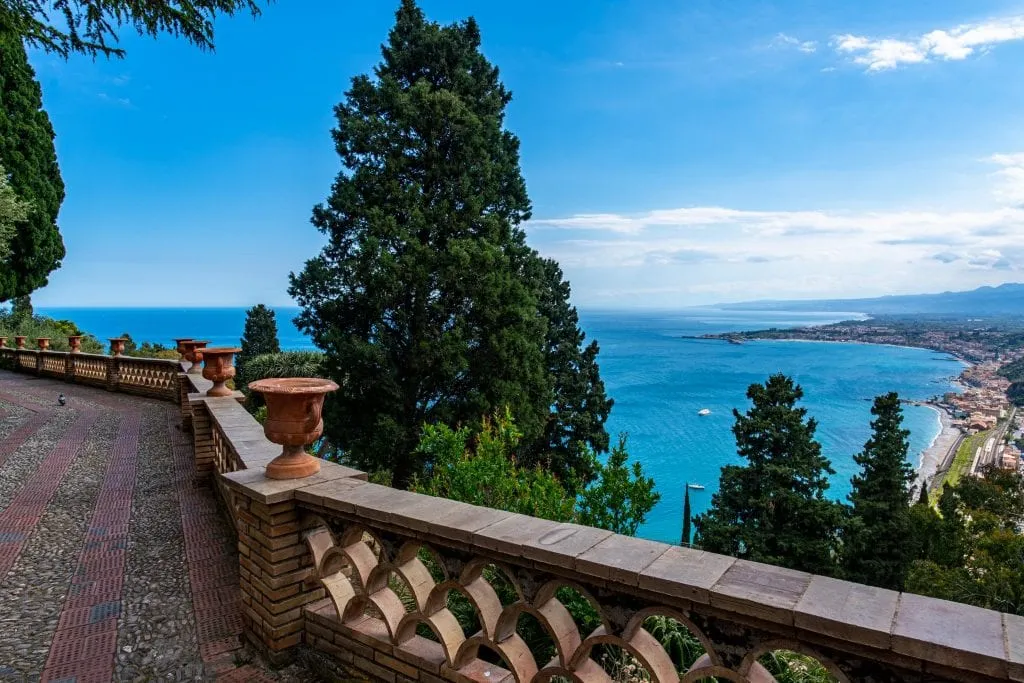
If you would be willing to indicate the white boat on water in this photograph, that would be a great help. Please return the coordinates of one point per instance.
(696, 487)
(703, 411)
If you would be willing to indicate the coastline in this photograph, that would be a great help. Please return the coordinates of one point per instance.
(937, 455)
(953, 356)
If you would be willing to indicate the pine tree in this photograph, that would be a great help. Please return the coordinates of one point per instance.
(89, 26)
(28, 155)
(419, 299)
(875, 548)
(259, 337)
(773, 509)
(687, 535)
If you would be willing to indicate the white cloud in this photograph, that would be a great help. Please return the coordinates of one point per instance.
(957, 43)
(1010, 177)
(783, 40)
(710, 253)
(120, 101)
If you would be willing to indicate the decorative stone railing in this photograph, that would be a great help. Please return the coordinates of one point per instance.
(374, 581)
(153, 377)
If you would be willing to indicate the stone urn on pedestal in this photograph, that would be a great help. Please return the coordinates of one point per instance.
(179, 345)
(19, 340)
(294, 406)
(43, 342)
(194, 354)
(218, 367)
(75, 342)
(117, 346)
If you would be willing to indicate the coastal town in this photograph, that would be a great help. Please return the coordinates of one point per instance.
(980, 424)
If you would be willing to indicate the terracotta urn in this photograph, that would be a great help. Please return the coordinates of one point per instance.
(19, 340)
(44, 343)
(179, 346)
(3, 342)
(218, 367)
(194, 354)
(294, 405)
(117, 346)
(75, 342)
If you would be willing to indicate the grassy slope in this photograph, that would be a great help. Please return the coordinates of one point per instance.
(961, 462)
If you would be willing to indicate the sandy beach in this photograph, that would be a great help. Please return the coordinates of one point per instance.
(937, 453)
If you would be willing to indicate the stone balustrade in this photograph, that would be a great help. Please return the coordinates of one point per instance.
(152, 377)
(368, 581)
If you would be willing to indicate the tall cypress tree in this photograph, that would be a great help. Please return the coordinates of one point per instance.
(875, 538)
(773, 509)
(687, 535)
(420, 299)
(28, 155)
(259, 337)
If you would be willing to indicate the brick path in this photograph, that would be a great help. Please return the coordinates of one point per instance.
(82, 645)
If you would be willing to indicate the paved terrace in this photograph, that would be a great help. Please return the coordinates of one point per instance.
(114, 565)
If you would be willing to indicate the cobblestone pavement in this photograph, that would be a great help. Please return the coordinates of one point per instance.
(114, 564)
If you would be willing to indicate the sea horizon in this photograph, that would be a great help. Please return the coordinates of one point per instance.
(660, 377)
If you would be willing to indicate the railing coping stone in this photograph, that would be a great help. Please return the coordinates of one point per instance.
(950, 633)
(620, 558)
(842, 609)
(562, 545)
(253, 482)
(760, 590)
(685, 573)
(1013, 629)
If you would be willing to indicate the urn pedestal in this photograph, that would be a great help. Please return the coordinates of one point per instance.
(43, 342)
(117, 346)
(294, 407)
(180, 346)
(194, 354)
(218, 367)
(19, 341)
(3, 342)
(75, 343)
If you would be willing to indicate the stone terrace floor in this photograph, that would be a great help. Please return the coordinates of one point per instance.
(114, 564)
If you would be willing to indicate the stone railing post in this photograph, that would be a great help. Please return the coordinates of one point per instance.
(113, 373)
(275, 559)
(276, 570)
(39, 362)
(202, 437)
(69, 367)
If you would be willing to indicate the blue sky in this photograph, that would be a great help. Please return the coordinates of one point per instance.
(676, 152)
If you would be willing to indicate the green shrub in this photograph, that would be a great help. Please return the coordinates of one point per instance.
(37, 326)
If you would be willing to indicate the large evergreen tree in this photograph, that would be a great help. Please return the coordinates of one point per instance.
(13, 211)
(28, 155)
(875, 534)
(258, 337)
(427, 302)
(91, 26)
(773, 509)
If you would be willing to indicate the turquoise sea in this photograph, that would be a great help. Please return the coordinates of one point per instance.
(660, 381)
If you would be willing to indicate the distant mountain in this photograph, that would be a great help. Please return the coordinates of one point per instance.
(1006, 299)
